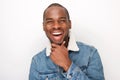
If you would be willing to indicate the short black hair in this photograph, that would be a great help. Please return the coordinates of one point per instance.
(59, 5)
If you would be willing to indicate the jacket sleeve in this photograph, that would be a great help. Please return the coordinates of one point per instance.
(93, 71)
(33, 74)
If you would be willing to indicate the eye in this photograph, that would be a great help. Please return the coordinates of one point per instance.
(62, 21)
(49, 22)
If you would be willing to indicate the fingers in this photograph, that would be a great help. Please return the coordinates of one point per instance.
(52, 49)
(54, 45)
(63, 44)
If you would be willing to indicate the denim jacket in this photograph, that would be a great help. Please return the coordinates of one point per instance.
(86, 65)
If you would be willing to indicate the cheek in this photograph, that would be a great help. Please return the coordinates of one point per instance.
(46, 29)
(67, 29)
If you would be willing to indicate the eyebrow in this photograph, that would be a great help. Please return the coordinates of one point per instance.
(63, 18)
(52, 19)
(48, 19)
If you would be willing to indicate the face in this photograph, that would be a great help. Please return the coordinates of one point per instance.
(56, 25)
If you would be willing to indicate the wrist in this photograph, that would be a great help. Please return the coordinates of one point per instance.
(66, 66)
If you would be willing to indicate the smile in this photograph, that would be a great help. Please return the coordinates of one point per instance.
(56, 33)
(57, 36)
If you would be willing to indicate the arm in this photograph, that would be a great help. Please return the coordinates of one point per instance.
(34, 74)
(93, 71)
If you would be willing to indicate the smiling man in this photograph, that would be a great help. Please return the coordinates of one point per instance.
(64, 58)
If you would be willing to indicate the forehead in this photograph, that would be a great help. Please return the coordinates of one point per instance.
(55, 11)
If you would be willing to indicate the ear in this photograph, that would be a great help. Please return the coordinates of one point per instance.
(70, 24)
(43, 26)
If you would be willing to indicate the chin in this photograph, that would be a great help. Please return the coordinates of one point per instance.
(59, 43)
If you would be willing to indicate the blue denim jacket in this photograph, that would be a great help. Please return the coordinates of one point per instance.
(86, 65)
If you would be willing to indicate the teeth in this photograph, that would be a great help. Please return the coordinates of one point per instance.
(56, 33)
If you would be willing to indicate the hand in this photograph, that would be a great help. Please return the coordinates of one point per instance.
(59, 55)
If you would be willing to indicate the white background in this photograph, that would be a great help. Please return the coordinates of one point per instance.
(94, 22)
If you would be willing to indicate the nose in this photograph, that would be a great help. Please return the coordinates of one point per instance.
(56, 25)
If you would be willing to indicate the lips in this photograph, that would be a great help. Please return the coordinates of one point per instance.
(57, 36)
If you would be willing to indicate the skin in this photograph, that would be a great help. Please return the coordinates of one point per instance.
(56, 26)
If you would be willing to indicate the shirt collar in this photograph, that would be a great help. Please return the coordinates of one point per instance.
(72, 45)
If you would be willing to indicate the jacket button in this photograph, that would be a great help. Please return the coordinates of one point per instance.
(46, 78)
(69, 76)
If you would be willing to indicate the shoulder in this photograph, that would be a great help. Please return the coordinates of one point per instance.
(86, 48)
(40, 55)
(84, 45)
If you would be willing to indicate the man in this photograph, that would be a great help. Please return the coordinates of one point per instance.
(64, 58)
